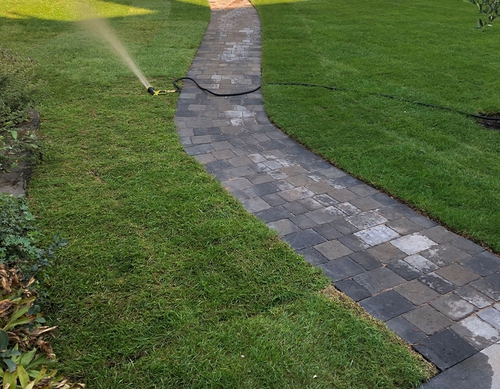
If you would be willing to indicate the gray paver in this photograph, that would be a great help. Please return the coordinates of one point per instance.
(366, 203)
(378, 280)
(453, 306)
(439, 234)
(477, 332)
(386, 252)
(273, 214)
(427, 319)
(474, 296)
(445, 254)
(313, 256)
(376, 235)
(457, 274)
(404, 226)
(256, 204)
(366, 220)
(413, 244)
(416, 292)
(491, 316)
(421, 264)
(353, 242)
(333, 249)
(328, 231)
(467, 246)
(325, 215)
(283, 227)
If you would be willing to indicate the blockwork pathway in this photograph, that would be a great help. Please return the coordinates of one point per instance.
(436, 290)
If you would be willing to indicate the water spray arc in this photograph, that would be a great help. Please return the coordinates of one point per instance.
(99, 27)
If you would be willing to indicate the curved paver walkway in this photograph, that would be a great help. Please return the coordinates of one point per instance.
(436, 290)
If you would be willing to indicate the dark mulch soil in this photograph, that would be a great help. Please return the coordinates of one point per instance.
(492, 122)
(14, 181)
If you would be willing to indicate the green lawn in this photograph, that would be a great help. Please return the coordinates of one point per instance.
(440, 162)
(166, 281)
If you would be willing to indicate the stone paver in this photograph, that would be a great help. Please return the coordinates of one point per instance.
(438, 291)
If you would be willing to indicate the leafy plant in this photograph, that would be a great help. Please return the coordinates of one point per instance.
(17, 89)
(487, 7)
(25, 355)
(18, 237)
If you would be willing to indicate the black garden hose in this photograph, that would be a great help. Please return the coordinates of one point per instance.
(333, 88)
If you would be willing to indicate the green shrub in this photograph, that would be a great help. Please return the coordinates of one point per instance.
(18, 237)
(491, 8)
(17, 89)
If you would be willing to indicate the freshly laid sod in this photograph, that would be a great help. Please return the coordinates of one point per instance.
(166, 281)
(441, 162)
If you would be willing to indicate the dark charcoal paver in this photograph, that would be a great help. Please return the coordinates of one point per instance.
(405, 270)
(378, 280)
(438, 283)
(490, 286)
(366, 260)
(387, 305)
(341, 268)
(484, 263)
(445, 349)
(274, 214)
(476, 372)
(467, 246)
(406, 330)
(302, 239)
(313, 256)
(353, 289)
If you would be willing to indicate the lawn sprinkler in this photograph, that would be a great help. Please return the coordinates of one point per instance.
(155, 92)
